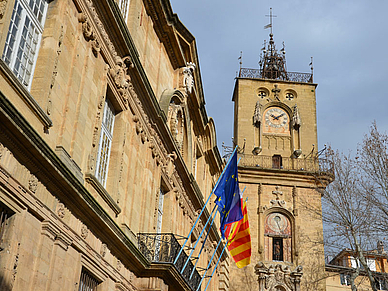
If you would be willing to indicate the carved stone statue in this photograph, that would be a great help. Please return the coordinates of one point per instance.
(257, 115)
(278, 277)
(188, 78)
(296, 118)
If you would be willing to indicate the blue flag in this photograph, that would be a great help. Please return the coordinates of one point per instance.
(228, 195)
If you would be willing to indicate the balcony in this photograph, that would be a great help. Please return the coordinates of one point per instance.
(288, 76)
(316, 165)
(164, 248)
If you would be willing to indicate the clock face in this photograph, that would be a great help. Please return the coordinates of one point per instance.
(276, 120)
(277, 224)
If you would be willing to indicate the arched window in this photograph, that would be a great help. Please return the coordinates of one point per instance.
(278, 237)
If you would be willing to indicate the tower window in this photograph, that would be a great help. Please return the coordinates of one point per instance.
(262, 94)
(289, 96)
(277, 162)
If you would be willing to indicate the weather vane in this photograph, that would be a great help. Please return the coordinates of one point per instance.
(270, 19)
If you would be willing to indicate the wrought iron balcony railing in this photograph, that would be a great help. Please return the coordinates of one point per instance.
(289, 76)
(283, 163)
(164, 248)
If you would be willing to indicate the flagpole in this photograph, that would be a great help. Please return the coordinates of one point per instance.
(198, 239)
(203, 208)
(202, 247)
(208, 265)
(200, 251)
(215, 267)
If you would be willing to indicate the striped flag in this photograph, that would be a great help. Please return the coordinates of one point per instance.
(239, 240)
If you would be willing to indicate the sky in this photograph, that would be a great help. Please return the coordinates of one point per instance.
(347, 40)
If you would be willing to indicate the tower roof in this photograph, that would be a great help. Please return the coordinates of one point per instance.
(272, 63)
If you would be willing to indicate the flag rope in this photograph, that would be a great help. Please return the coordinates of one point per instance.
(203, 208)
(198, 239)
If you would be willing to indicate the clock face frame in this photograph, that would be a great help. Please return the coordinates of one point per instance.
(276, 120)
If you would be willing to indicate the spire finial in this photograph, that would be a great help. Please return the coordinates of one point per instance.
(240, 59)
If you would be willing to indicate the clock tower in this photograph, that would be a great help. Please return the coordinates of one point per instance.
(281, 170)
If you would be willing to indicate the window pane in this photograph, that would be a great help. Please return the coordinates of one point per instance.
(105, 142)
(22, 42)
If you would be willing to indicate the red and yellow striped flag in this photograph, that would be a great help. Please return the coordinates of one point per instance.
(239, 240)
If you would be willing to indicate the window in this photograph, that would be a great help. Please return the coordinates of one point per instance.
(160, 212)
(124, 6)
(371, 264)
(380, 284)
(5, 215)
(345, 279)
(105, 144)
(23, 38)
(87, 281)
(159, 238)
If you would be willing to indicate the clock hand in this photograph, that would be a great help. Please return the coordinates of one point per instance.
(277, 222)
(277, 117)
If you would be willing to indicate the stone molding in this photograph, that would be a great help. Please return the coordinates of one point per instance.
(92, 180)
(49, 229)
(26, 96)
(63, 240)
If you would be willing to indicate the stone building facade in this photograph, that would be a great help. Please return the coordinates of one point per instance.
(105, 145)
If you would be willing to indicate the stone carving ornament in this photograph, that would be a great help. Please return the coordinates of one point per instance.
(119, 73)
(89, 33)
(278, 277)
(61, 210)
(84, 232)
(257, 115)
(3, 6)
(103, 250)
(296, 118)
(33, 184)
(188, 78)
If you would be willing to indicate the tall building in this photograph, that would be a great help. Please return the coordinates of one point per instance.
(106, 150)
(280, 172)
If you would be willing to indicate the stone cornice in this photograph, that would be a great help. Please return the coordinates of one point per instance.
(164, 25)
(90, 178)
(305, 179)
